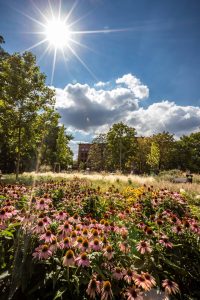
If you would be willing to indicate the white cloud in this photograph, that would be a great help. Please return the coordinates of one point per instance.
(165, 116)
(86, 110)
(134, 84)
(101, 84)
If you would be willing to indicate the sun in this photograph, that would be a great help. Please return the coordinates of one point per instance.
(57, 30)
(57, 33)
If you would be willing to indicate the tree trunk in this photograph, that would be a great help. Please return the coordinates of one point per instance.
(19, 150)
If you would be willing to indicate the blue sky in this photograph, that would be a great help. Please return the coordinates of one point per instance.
(160, 50)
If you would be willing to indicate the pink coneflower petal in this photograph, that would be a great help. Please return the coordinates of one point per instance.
(42, 252)
(106, 291)
(48, 236)
(108, 252)
(93, 288)
(69, 259)
(133, 293)
(170, 287)
(144, 247)
(83, 260)
(117, 273)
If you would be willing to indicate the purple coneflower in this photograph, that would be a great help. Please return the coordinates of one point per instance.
(133, 293)
(65, 244)
(61, 216)
(48, 236)
(95, 245)
(143, 282)
(66, 227)
(165, 242)
(108, 252)
(42, 252)
(41, 205)
(150, 280)
(54, 245)
(170, 287)
(106, 291)
(83, 260)
(3, 214)
(40, 227)
(177, 229)
(68, 259)
(124, 247)
(93, 288)
(144, 247)
(129, 276)
(85, 245)
(117, 273)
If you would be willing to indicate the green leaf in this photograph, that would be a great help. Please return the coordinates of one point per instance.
(59, 293)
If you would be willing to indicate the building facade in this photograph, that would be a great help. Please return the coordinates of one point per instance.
(83, 151)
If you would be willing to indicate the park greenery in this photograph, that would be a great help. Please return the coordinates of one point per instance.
(75, 238)
(31, 137)
(29, 124)
(120, 149)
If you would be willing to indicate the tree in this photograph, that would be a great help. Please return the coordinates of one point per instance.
(2, 41)
(143, 149)
(166, 144)
(153, 158)
(121, 146)
(3, 53)
(97, 153)
(64, 155)
(23, 94)
(188, 152)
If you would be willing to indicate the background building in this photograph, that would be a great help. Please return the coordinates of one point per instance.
(83, 150)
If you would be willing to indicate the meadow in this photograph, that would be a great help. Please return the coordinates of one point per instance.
(100, 236)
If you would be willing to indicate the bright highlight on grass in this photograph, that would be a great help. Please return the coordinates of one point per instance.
(57, 34)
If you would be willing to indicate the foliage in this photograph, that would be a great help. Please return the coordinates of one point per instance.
(63, 152)
(188, 148)
(28, 121)
(153, 157)
(97, 153)
(142, 235)
(121, 147)
(165, 142)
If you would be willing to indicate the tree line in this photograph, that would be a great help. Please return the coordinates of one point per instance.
(30, 134)
(120, 149)
(31, 137)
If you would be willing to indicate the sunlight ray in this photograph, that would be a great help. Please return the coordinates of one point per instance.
(83, 45)
(59, 9)
(36, 45)
(79, 19)
(102, 31)
(31, 18)
(82, 62)
(41, 13)
(51, 9)
(71, 11)
(53, 66)
(43, 54)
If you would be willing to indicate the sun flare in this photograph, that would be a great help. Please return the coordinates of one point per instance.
(57, 33)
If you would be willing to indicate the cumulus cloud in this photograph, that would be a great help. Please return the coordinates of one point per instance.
(87, 108)
(165, 116)
(93, 109)
(101, 84)
(134, 84)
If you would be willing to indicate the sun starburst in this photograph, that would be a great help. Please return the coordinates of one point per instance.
(60, 36)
